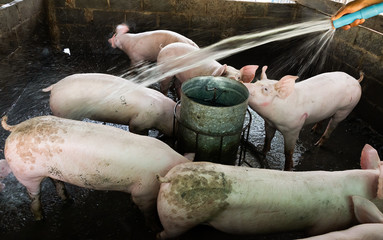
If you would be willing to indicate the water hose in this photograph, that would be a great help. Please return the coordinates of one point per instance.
(364, 13)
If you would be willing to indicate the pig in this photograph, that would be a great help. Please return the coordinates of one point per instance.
(4, 171)
(287, 106)
(87, 155)
(145, 46)
(112, 99)
(370, 229)
(213, 68)
(241, 200)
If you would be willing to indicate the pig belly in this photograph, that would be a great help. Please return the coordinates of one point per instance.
(254, 201)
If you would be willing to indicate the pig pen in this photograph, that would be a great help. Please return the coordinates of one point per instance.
(112, 215)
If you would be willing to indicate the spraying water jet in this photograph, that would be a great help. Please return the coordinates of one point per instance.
(151, 74)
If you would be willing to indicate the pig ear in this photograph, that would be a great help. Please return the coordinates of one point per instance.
(112, 41)
(220, 71)
(285, 86)
(189, 156)
(122, 28)
(366, 211)
(369, 158)
(380, 182)
(248, 73)
(263, 74)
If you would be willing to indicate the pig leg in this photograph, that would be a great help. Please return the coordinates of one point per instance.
(33, 188)
(334, 120)
(172, 232)
(317, 126)
(61, 190)
(177, 86)
(165, 85)
(290, 139)
(135, 128)
(174, 227)
(146, 202)
(270, 133)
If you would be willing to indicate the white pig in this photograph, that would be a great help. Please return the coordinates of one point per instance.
(145, 46)
(213, 68)
(370, 229)
(4, 171)
(88, 155)
(287, 106)
(113, 99)
(240, 200)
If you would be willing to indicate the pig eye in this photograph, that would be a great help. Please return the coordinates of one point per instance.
(265, 90)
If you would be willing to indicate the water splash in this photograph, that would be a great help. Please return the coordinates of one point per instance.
(308, 57)
(150, 74)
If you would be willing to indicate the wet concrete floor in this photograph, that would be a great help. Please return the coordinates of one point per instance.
(112, 215)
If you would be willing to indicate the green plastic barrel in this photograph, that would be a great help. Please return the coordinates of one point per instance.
(211, 118)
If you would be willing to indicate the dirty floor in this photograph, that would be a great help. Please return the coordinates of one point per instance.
(112, 215)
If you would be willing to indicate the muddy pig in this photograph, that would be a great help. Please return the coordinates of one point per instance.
(240, 200)
(370, 229)
(88, 155)
(213, 68)
(287, 106)
(145, 46)
(112, 99)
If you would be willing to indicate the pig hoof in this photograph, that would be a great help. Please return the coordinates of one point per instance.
(158, 236)
(319, 143)
(39, 218)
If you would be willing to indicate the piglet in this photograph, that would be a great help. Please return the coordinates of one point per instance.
(4, 171)
(213, 68)
(88, 155)
(240, 200)
(145, 46)
(288, 106)
(113, 99)
(370, 229)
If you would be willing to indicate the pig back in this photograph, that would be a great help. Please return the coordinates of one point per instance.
(266, 200)
(326, 94)
(337, 88)
(86, 154)
(100, 97)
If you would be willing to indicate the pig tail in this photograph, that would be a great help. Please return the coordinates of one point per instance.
(5, 125)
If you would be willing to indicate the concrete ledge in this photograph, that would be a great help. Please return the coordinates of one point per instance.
(18, 21)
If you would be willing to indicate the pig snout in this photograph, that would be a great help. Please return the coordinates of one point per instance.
(112, 41)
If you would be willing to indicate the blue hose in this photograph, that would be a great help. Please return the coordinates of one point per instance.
(364, 13)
